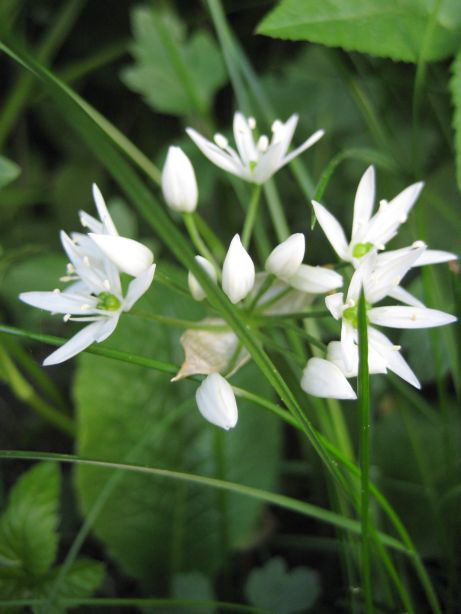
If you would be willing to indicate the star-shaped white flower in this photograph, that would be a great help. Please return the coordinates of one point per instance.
(373, 231)
(378, 281)
(254, 161)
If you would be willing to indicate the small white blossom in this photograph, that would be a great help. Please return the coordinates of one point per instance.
(285, 259)
(253, 161)
(238, 273)
(195, 288)
(216, 401)
(322, 378)
(179, 185)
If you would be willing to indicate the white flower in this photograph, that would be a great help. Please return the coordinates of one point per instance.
(253, 161)
(379, 282)
(216, 401)
(315, 279)
(238, 273)
(179, 185)
(285, 259)
(322, 378)
(95, 296)
(195, 288)
(368, 232)
(128, 255)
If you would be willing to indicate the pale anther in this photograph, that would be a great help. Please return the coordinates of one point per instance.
(251, 123)
(221, 141)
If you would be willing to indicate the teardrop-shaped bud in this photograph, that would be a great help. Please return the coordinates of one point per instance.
(195, 288)
(216, 401)
(128, 255)
(238, 273)
(322, 378)
(286, 258)
(179, 185)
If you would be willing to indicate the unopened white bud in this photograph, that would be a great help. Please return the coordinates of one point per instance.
(128, 255)
(238, 273)
(179, 185)
(286, 258)
(216, 401)
(195, 288)
(322, 378)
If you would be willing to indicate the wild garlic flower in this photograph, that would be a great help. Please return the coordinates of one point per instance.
(323, 378)
(194, 287)
(179, 185)
(254, 161)
(216, 401)
(378, 282)
(373, 231)
(238, 272)
(285, 259)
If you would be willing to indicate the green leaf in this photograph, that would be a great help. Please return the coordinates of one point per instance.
(174, 75)
(196, 587)
(82, 579)
(128, 413)
(276, 589)
(8, 171)
(28, 537)
(394, 30)
(455, 86)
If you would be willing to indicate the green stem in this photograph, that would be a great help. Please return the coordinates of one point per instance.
(177, 322)
(251, 216)
(189, 222)
(276, 211)
(364, 409)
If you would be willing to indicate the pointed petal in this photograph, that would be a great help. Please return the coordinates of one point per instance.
(332, 229)
(282, 133)
(107, 327)
(244, 139)
(362, 277)
(269, 163)
(363, 204)
(386, 277)
(322, 378)
(216, 401)
(307, 143)
(391, 355)
(137, 287)
(434, 256)
(409, 317)
(76, 344)
(400, 294)
(217, 155)
(348, 335)
(88, 221)
(315, 279)
(335, 353)
(285, 259)
(334, 304)
(61, 302)
(130, 256)
(103, 212)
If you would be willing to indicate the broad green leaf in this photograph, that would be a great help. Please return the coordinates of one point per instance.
(28, 537)
(8, 171)
(278, 590)
(194, 586)
(82, 579)
(396, 30)
(456, 95)
(174, 75)
(153, 528)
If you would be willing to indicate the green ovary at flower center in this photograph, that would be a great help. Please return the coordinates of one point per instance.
(108, 302)
(351, 314)
(361, 249)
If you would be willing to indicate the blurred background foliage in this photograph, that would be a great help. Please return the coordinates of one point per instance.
(152, 69)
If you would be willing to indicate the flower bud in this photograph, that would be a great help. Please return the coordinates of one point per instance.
(322, 378)
(286, 258)
(128, 255)
(195, 288)
(238, 272)
(179, 185)
(216, 401)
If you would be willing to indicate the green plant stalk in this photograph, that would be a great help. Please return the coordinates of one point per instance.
(176, 322)
(210, 237)
(250, 217)
(189, 222)
(364, 409)
(24, 391)
(276, 212)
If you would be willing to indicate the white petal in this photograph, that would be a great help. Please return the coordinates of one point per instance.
(238, 273)
(307, 143)
(434, 256)
(362, 277)
(282, 133)
(244, 139)
(104, 214)
(386, 277)
(409, 317)
(334, 304)
(217, 155)
(137, 287)
(315, 279)
(286, 258)
(332, 229)
(348, 338)
(195, 288)
(216, 401)
(335, 353)
(268, 164)
(89, 272)
(322, 378)
(128, 255)
(391, 355)
(77, 343)
(88, 221)
(363, 204)
(60, 302)
(400, 294)
(107, 327)
(179, 185)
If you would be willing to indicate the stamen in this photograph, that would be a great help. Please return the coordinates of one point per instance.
(413, 317)
(276, 125)
(66, 318)
(383, 202)
(403, 219)
(86, 260)
(251, 123)
(106, 284)
(263, 143)
(56, 291)
(418, 244)
(70, 268)
(221, 141)
(396, 348)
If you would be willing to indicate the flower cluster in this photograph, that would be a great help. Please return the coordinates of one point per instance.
(95, 294)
